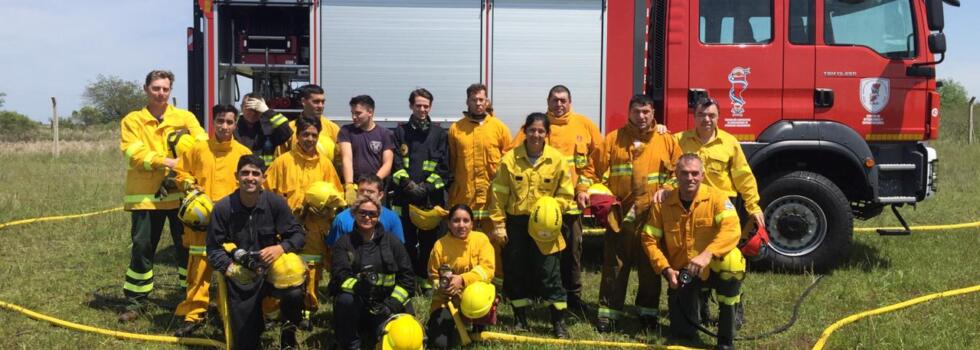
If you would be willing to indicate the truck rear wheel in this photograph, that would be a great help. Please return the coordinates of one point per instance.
(809, 221)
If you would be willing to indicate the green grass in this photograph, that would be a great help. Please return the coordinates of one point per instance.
(73, 269)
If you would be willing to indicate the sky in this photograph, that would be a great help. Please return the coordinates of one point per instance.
(55, 48)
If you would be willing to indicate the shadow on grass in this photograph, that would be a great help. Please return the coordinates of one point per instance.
(865, 258)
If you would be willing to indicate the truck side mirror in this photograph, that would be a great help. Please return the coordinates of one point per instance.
(937, 43)
(934, 15)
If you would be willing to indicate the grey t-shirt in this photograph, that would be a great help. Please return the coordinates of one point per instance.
(367, 147)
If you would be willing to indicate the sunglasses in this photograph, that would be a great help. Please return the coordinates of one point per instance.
(369, 214)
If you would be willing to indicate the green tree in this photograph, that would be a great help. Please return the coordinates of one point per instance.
(88, 116)
(953, 93)
(16, 127)
(114, 97)
(2, 98)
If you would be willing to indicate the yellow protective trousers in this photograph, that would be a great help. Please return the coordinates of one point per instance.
(195, 304)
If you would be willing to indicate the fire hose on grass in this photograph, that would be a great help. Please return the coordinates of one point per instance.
(482, 336)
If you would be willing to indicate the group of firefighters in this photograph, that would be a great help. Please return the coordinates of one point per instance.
(472, 216)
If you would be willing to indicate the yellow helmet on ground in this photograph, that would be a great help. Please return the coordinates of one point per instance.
(477, 299)
(287, 271)
(179, 142)
(545, 225)
(195, 210)
(402, 332)
(321, 195)
(426, 219)
(730, 266)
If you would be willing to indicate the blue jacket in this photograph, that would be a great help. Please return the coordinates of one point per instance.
(343, 224)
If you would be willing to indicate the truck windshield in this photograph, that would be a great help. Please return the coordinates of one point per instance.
(885, 26)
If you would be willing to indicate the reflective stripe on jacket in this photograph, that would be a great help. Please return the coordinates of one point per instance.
(143, 140)
(710, 224)
(519, 184)
(637, 164)
(211, 166)
(475, 149)
(725, 166)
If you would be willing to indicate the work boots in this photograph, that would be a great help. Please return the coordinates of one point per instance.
(576, 306)
(605, 325)
(558, 323)
(187, 329)
(726, 326)
(287, 337)
(520, 319)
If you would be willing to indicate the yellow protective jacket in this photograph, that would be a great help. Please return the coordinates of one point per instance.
(472, 258)
(326, 144)
(291, 174)
(143, 139)
(211, 166)
(475, 149)
(519, 184)
(711, 224)
(638, 164)
(579, 140)
(725, 166)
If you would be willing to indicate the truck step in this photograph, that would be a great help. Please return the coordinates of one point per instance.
(896, 199)
(896, 167)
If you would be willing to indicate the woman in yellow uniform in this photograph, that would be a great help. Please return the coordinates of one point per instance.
(470, 256)
(527, 173)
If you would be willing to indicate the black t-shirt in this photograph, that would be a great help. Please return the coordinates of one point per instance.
(367, 147)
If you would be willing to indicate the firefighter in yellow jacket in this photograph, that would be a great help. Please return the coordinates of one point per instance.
(150, 200)
(313, 98)
(469, 256)
(690, 239)
(580, 141)
(476, 144)
(639, 160)
(290, 176)
(208, 167)
(724, 162)
(527, 173)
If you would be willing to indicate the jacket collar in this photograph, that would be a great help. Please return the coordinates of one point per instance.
(261, 205)
(521, 153)
(561, 119)
(635, 133)
(674, 198)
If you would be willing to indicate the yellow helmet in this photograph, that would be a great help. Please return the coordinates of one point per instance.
(195, 210)
(402, 332)
(599, 189)
(287, 271)
(426, 219)
(179, 142)
(477, 299)
(730, 266)
(321, 195)
(545, 225)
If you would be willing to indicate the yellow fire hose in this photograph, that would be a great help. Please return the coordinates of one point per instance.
(510, 338)
(111, 333)
(56, 218)
(853, 318)
(482, 336)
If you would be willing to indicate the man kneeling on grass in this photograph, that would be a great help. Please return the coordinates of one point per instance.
(260, 224)
(698, 228)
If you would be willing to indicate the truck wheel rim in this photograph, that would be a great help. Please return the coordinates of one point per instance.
(796, 225)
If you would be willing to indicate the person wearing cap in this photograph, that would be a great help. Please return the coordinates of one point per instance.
(207, 167)
(690, 239)
(259, 222)
(290, 176)
(533, 268)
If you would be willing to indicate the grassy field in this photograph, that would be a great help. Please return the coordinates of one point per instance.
(73, 269)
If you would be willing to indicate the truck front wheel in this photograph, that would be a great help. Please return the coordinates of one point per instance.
(809, 221)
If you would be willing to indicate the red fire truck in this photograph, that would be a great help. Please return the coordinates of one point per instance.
(834, 100)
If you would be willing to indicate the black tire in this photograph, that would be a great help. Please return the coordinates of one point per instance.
(809, 221)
